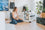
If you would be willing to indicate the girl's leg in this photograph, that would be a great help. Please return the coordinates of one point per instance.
(19, 21)
(14, 22)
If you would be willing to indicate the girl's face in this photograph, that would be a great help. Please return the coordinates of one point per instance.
(24, 9)
(16, 10)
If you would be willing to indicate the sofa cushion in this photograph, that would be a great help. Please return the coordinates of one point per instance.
(43, 15)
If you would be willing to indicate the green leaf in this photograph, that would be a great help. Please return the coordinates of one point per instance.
(40, 2)
(37, 8)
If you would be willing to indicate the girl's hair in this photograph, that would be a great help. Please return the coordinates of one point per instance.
(24, 8)
(14, 9)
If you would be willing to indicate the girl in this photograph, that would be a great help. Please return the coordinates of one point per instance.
(15, 17)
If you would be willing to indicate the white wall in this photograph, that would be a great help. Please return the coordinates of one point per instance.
(31, 4)
(20, 3)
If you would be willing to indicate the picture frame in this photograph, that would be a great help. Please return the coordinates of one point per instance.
(4, 5)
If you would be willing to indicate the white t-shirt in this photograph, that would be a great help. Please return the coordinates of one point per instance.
(15, 14)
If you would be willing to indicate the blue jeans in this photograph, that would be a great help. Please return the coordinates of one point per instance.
(16, 21)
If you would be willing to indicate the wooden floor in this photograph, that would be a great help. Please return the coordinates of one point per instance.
(29, 26)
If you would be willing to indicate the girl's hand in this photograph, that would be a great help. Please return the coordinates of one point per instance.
(16, 18)
(21, 19)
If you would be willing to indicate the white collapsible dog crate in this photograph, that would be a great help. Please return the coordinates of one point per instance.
(30, 18)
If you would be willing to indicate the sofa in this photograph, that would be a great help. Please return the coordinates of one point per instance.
(41, 20)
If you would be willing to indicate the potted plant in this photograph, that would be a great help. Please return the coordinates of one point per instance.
(39, 7)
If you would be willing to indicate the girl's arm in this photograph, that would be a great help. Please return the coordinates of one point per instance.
(19, 18)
